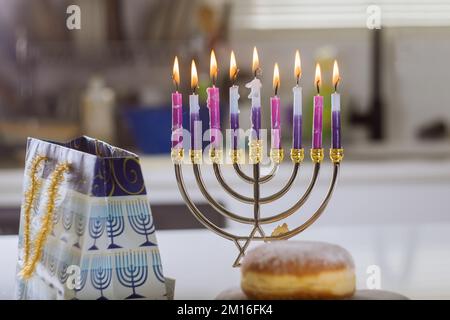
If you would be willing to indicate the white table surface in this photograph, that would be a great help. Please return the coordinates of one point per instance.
(414, 259)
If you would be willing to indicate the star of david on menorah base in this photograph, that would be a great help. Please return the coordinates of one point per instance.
(256, 180)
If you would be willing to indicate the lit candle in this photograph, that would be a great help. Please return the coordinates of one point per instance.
(234, 106)
(275, 110)
(213, 105)
(336, 110)
(194, 111)
(297, 109)
(255, 95)
(177, 109)
(318, 111)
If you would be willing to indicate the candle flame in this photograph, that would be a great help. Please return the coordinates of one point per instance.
(336, 77)
(298, 66)
(176, 73)
(255, 63)
(318, 78)
(213, 67)
(194, 77)
(276, 78)
(233, 67)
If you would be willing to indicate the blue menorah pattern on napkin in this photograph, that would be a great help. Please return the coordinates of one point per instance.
(100, 252)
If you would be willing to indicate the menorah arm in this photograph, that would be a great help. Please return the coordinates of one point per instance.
(313, 218)
(283, 190)
(249, 179)
(195, 211)
(299, 203)
(277, 217)
(271, 174)
(318, 212)
(242, 174)
(221, 209)
(227, 188)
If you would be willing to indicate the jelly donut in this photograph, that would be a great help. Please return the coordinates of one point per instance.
(298, 270)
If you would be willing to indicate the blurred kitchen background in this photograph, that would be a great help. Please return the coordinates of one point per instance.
(112, 80)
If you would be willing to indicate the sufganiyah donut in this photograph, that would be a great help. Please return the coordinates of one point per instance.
(298, 270)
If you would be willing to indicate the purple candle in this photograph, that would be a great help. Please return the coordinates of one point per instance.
(317, 122)
(256, 121)
(297, 131)
(297, 106)
(336, 111)
(276, 125)
(318, 112)
(234, 105)
(214, 116)
(213, 105)
(195, 122)
(255, 96)
(275, 111)
(177, 121)
(297, 118)
(336, 129)
(234, 125)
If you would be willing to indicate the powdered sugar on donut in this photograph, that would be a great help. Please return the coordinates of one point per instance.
(308, 256)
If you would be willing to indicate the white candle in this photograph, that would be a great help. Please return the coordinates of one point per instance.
(194, 106)
(194, 112)
(297, 90)
(195, 123)
(234, 98)
(255, 92)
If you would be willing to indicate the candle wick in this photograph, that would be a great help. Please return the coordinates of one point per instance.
(298, 80)
(276, 89)
(234, 77)
(175, 83)
(317, 86)
(336, 84)
(257, 70)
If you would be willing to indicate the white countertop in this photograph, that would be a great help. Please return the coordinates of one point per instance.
(414, 259)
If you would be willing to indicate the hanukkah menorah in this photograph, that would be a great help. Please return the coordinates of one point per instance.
(256, 200)
(255, 152)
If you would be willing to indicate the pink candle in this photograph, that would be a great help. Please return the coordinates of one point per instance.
(318, 111)
(177, 121)
(177, 110)
(214, 116)
(275, 108)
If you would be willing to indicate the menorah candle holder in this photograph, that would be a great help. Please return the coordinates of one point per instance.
(255, 156)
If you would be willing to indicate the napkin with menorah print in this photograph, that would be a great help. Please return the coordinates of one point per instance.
(86, 229)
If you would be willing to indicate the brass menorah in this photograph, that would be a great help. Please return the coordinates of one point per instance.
(256, 180)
